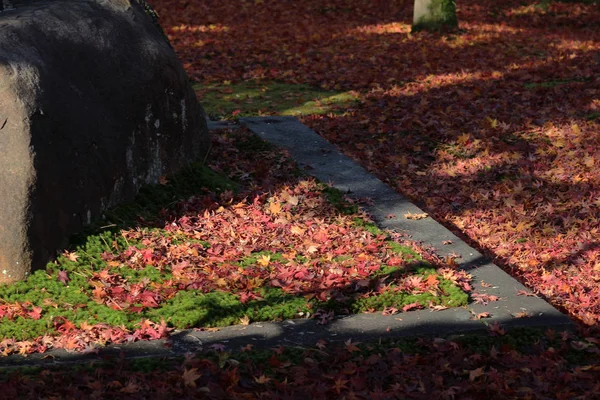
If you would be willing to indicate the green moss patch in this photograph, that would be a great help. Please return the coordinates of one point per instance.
(249, 98)
(593, 116)
(212, 247)
(554, 83)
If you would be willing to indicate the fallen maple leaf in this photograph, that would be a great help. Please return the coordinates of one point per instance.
(438, 308)
(217, 347)
(476, 373)
(293, 200)
(190, 376)
(415, 216)
(432, 280)
(247, 347)
(71, 256)
(389, 311)
(351, 347)
(323, 317)
(264, 260)
(484, 298)
(366, 200)
(321, 344)
(296, 230)
(63, 277)
(411, 306)
(275, 208)
(523, 314)
(496, 329)
(262, 379)
(526, 293)
(483, 315)
(35, 313)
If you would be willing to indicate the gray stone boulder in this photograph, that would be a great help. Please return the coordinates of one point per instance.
(93, 104)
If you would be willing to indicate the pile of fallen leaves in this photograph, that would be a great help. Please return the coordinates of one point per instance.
(277, 247)
(493, 129)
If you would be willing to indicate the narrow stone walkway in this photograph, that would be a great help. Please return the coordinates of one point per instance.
(325, 162)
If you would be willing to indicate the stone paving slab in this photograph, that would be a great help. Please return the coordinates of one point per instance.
(324, 161)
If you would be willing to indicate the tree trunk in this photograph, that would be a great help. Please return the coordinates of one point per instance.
(434, 15)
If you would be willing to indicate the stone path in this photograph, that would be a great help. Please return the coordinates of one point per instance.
(324, 161)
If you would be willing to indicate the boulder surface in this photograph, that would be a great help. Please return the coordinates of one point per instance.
(93, 104)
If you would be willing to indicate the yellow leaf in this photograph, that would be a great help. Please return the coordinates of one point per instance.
(296, 230)
(264, 260)
(312, 248)
(476, 373)
(275, 208)
(221, 282)
(463, 139)
(293, 200)
(262, 379)
(71, 256)
(521, 226)
(24, 347)
(415, 216)
(245, 320)
(516, 155)
(493, 122)
(576, 129)
(589, 161)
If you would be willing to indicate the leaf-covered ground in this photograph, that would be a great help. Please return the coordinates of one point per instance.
(256, 242)
(494, 129)
(520, 365)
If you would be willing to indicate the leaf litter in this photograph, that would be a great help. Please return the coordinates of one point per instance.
(489, 129)
(283, 247)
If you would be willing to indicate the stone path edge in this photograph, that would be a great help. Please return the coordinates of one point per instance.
(324, 161)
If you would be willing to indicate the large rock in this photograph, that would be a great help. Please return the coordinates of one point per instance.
(93, 104)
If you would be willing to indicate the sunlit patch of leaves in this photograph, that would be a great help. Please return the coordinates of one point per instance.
(278, 247)
(492, 130)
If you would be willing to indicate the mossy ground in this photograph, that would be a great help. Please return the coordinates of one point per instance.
(250, 98)
(74, 287)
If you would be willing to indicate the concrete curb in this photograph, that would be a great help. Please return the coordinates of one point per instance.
(324, 161)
